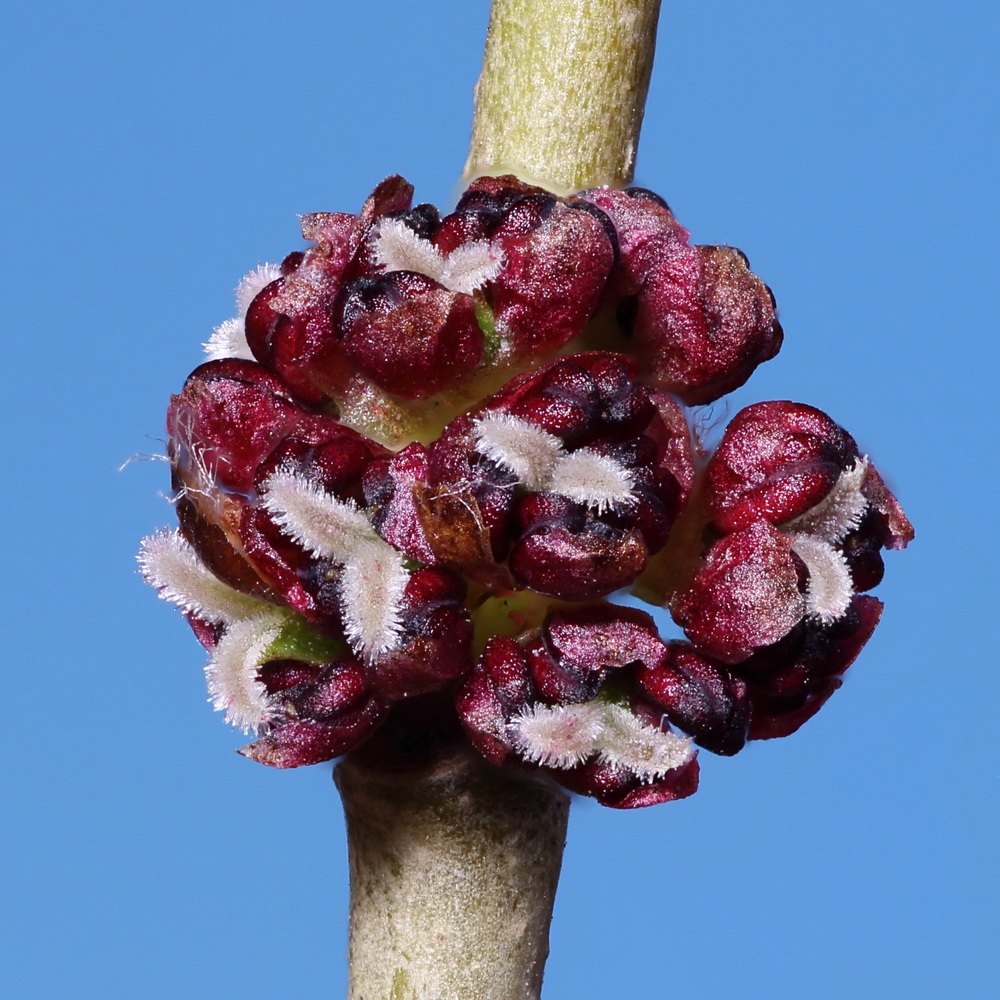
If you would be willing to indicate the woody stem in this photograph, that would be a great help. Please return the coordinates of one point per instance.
(453, 877)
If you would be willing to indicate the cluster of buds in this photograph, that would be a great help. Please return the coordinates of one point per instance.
(428, 449)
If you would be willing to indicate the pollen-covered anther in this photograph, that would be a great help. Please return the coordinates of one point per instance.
(520, 447)
(373, 576)
(629, 743)
(233, 686)
(559, 736)
(170, 564)
(593, 479)
(839, 512)
(830, 587)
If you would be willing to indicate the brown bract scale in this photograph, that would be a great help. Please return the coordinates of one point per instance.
(408, 485)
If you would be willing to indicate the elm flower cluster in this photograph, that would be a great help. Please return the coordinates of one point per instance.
(426, 452)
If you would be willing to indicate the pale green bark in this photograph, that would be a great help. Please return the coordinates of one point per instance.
(561, 96)
(453, 877)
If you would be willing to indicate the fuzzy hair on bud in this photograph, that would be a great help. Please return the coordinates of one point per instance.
(627, 742)
(520, 447)
(593, 479)
(373, 576)
(538, 460)
(830, 587)
(170, 564)
(233, 686)
(839, 512)
(466, 268)
(557, 735)
(372, 583)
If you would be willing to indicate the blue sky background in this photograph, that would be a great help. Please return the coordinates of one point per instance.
(155, 154)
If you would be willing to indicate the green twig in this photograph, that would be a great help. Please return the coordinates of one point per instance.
(561, 96)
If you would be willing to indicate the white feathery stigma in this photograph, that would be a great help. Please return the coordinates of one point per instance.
(592, 478)
(629, 743)
(252, 284)
(399, 248)
(372, 583)
(539, 461)
(229, 339)
(373, 575)
(563, 736)
(830, 587)
(520, 447)
(169, 563)
(233, 686)
(557, 735)
(327, 527)
(839, 512)
(466, 268)
(471, 266)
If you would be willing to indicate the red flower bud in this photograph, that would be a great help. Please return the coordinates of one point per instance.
(320, 719)
(746, 595)
(700, 696)
(337, 578)
(704, 322)
(558, 260)
(775, 461)
(789, 682)
(410, 335)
